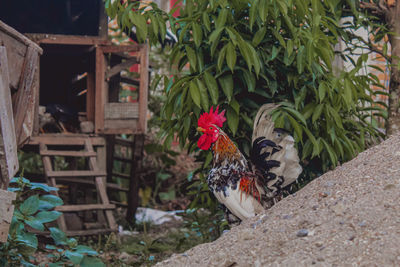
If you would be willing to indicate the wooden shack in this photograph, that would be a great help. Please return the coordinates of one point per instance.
(81, 73)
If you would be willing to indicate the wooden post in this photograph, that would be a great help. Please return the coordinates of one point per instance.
(6, 213)
(143, 90)
(8, 145)
(133, 195)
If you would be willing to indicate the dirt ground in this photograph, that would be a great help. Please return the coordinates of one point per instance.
(347, 217)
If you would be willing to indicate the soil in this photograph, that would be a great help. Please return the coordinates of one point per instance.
(346, 217)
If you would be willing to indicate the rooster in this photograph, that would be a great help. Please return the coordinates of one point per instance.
(246, 188)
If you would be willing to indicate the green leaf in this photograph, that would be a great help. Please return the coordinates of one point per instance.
(30, 205)
(75, 257)
(259, 36)
(86, 250)
(197, 34)
(47, 202)
(58, 236)
(221, 20)
(221, 57)
(322, 89)
(297, 115)
(191, 54)
(232, 119)
(226, 83)
(212, 87)
(43, 187)
(250, 80)
(317, 112)
(195, 93)
(206, 21)
(48, 216)
(235, 105)
(91, 262)
(231, 56)
(141, 26)
(203, 94)
(34, 223)
(208, 159)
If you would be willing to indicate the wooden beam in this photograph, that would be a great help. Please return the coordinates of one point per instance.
(144, 88)
(62, 139)
(42, 38)
(100, 93)
(8, 146)
(6, 213)
(25, 99)
(130, 81)
(90, 96)
(20, 37)
(84, 207)
(121, 48)
(122, 66)
(68, 153)
(91, 173)
(121, 111)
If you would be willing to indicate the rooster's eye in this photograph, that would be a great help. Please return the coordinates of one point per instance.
(211, 128)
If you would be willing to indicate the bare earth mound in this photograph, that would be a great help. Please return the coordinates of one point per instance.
(347, 217)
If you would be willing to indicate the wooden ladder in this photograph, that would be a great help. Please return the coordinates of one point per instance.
(132, 159)
(93, 176)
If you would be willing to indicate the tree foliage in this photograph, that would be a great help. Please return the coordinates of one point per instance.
(244, 53)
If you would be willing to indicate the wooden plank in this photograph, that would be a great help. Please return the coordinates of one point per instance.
(90, 96)
(121, 48)
(68, 153)
(117, 126)
(8, 146)
(24, 104)
(121, 111)
(120, 67)
(91, 182)
(19, 36)
(101, 187)
(75, 173)
(47, 166)
(121, 175)
(143, 89)
(85, 207)
(103, 22)
(123, 142)
(42, 38)
(62, 139)
(133, 195)
(78, 232)
(6, 213)
(100, 93)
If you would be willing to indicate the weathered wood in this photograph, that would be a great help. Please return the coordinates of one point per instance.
(63, 139)
(52, 182)
(24, 104)
(121, 175)
(143, 89)
(103, 22)
(116, 126)
(121, 48)
(68, 153)
(42, 38)
(100, 186)
(85, 207)
(120, 67)
(6, 213)
(133, 196)
(19, 36)
(121, 111)
(91, 182)
(74, 173)
(90, 96)
(8, 146)
(100, 90)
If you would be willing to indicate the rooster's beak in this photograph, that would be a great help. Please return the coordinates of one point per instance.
(201, 129)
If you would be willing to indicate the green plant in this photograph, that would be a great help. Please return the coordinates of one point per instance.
(246, 53)
(34, 210)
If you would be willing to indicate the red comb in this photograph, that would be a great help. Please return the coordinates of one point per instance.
(211, 118)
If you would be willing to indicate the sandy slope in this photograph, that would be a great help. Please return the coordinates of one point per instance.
(347, 217)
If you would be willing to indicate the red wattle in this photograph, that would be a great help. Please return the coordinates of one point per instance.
(204, 142)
